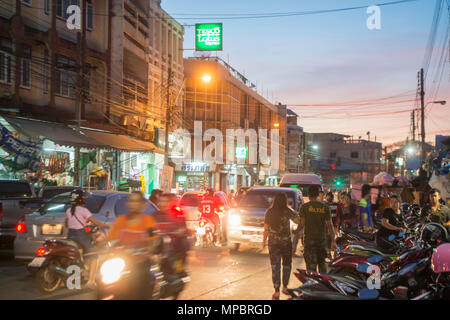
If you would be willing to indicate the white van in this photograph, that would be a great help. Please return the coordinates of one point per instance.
(301, 181)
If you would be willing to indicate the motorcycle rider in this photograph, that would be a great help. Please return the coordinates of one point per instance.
(209, 208)
(154, 197)
(436, 211)
(170, 219)
(131, 230)
(315, 216)
(76, 219)
(391, 224)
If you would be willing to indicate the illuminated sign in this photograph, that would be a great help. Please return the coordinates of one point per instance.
(208, 37)
(240, 152)
(182, 178)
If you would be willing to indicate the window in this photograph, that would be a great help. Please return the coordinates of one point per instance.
(46, 72)
(65, 78)
(354, 154)
(61, 7)
(90, 16)
(27, 2)
(25, 71)
(332, 154)
(5, 67)
(46, 6)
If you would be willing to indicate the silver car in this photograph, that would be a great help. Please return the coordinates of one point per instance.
(48, 221)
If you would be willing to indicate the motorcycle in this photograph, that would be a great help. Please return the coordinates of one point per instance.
(57, 260)
(140, 273)
(205, 233)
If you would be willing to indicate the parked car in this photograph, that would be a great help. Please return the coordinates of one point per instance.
(46, 193)
(246, 221)
(13, 196)
(48, 221)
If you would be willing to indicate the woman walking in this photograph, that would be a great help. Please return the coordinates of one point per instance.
(277, 229)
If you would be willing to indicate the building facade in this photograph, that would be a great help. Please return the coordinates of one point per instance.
(111, 73)
(343, 161)
(295, 143)
(228, 102)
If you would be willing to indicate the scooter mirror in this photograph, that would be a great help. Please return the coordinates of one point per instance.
(375, 259)
(401, 234)
(368, 294)
(391, 237)
(362, 267)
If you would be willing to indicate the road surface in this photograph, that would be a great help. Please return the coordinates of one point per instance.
(216, 274)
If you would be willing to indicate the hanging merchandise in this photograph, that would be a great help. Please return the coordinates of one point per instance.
(23, 155)
(86, 158)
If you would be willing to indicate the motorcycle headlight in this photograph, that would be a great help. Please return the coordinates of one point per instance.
(234, 220)
(111, 270)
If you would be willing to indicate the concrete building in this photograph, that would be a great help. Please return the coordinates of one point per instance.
(295, 143)
(116, 72)
(349, 161)
(229, 101)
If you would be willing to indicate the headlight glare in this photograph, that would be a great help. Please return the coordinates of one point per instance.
(111, 270)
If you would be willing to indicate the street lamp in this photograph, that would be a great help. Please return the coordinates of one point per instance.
(276, 125)
(206, 78)
(315, 147)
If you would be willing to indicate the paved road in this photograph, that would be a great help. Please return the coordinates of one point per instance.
(216, 273)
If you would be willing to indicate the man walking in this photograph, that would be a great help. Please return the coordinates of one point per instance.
(315, 219)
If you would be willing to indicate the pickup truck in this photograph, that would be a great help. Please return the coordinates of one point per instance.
(14, 196)
(246, 221)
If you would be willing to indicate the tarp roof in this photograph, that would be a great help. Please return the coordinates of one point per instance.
(67, 136)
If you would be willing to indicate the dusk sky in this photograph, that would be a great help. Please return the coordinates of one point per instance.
(334, 60)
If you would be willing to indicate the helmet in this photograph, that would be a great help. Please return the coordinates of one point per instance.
(78, 196)
(405, 207)
(440, 261)
(415, 209)
(434, 234)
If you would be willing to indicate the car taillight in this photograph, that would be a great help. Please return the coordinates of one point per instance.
(21, 227)
(40, 251)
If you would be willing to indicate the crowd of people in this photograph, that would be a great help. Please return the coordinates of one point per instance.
(319, 229)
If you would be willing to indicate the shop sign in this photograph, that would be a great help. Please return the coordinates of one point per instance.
(240, 152)
(208, 37)
(195, 167)
(26, 154)
(182, 178)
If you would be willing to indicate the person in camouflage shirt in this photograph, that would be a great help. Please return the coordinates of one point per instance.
(315, 218)
(277, 229)
(435, 211)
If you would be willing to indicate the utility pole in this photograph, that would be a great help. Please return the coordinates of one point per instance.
(413, 120)
(81, 37)
(168, 112)
(76, 178)
(422, 110)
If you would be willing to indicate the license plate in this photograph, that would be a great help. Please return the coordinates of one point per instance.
(37, 262)
(52, 229)
(201, 231)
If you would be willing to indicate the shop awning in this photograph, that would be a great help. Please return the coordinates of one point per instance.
(67, 136)
(122, 142)
(58, 133)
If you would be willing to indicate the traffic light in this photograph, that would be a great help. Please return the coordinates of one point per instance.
(332, 166)
(337, 181)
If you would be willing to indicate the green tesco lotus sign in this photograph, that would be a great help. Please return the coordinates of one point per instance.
(208, 37)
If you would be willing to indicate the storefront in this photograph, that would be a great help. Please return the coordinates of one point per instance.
(105, 157)
(194, 176)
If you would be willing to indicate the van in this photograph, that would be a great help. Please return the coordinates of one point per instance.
(301, 181)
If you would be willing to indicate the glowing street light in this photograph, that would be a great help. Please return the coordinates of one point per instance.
(206, 78)
(315, 147)
(276, 125)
